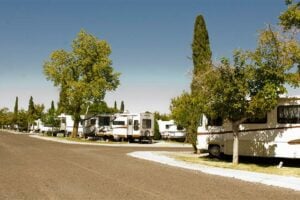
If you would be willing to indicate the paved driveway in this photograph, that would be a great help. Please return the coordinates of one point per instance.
(37, 169)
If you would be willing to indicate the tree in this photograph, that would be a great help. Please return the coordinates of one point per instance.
(50, 118)
(122, 107)
(83, 74)
(4, 117)
(290, 18)
(187, 108)
(201, 53)
(30, 112)
(16, 109)
(158, 116)
(115, 105)
(186, 111)
(252, 85)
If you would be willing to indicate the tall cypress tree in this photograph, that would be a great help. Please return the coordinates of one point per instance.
(122, 106)
(31, 106)
(201, 52)
(52, 108)
(115, 105)
(30, 112)
(16, 110)
(202, 64)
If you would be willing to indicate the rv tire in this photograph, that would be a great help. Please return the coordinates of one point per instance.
(214, 151)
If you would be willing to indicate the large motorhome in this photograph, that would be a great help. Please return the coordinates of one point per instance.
(67, 123)
(170, 130)
(133, 126)
(98, 125)
(275, 135)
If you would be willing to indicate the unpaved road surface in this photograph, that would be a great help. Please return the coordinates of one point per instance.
(37, 169)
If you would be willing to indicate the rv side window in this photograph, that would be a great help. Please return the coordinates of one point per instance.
(215, 121)
(118, 123)
(179, 128)
(130, 122)
(104, 121)
(136, 125)
(63, 120)
(93, 121)
(256, 120)
(146, 123)
(288, 114)
(167, 126)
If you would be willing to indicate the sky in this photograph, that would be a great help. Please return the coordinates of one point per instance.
(150, 42)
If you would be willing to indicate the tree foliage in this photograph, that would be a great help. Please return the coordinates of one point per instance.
(159, 116)
(122, 107)
(251, 86)
(83, 74)
(290, 18)
(186, 109)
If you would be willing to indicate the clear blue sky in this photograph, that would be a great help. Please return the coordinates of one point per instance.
(150, 41)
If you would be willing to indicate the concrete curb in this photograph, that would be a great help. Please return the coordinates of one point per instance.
(267, 179)
(156, 145)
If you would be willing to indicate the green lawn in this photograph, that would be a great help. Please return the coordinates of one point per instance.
(266, 165)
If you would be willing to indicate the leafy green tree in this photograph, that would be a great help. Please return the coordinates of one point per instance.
(4, 117)
(83, 74)
(158, 116)
(99, 107)
(186, 111)
(50, 118)
(290, 18)
(122, 108)
(250, 87)
(22, 120)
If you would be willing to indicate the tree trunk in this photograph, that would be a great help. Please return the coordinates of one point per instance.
(75, 129)
(76, 124)
(235, 156)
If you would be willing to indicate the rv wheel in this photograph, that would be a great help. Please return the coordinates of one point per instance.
(214, 151)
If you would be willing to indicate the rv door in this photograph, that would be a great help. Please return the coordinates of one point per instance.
(130, 126)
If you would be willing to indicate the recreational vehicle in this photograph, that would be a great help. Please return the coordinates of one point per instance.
(67, 123)
(275, 135)
(98, 125)
(170, 130)
(133, 126)
(39, 126)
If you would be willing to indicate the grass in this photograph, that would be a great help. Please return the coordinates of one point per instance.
(262, 165)
(84, 140)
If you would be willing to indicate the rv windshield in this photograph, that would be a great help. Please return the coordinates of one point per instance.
(146, 123)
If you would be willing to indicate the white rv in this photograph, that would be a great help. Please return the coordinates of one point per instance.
(275, 135)
(133, 126)
(98, 125)
(40, 127)
(67, 123)
(170, 130)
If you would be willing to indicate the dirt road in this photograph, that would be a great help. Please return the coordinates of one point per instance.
(36, 169)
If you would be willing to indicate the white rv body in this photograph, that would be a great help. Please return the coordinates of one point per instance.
(67, 123)
(277, 136)
(39, 126)
(169, 130)
(98, 125)
(133, 126)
